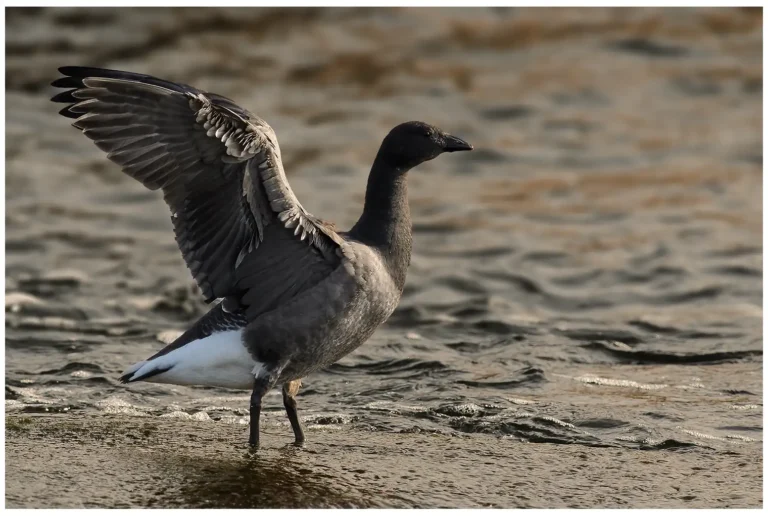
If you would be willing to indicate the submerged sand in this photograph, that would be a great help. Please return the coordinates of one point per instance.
(118, 461)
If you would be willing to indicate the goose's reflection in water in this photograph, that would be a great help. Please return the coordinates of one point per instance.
(256, 479)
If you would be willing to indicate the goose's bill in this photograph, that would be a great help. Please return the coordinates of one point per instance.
(455, 144)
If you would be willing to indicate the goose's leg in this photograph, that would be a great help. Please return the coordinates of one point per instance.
(260, 388)
(290, 389)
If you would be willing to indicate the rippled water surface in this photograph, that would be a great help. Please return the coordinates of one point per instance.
(582, 322)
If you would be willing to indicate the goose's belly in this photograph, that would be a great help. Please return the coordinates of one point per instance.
(328, 321)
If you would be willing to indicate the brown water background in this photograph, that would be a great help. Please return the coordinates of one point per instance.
(582, 322)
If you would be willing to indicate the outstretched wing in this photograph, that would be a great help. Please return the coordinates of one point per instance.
(241, 230)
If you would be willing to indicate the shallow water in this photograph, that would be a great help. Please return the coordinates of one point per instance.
(115, 461)
(585, 290)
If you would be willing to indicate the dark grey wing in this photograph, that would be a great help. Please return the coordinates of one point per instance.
(221, 174)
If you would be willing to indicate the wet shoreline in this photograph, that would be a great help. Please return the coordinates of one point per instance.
(143, 462)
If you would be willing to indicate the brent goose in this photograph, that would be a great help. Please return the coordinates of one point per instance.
(292, 294)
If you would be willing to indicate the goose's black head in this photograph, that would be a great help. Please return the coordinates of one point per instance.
(412, 143)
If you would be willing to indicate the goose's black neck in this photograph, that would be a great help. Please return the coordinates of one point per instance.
(386, 220)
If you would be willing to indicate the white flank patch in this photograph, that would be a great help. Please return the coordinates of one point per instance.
(219, 360)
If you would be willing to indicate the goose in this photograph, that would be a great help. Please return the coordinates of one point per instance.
(289, 293)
